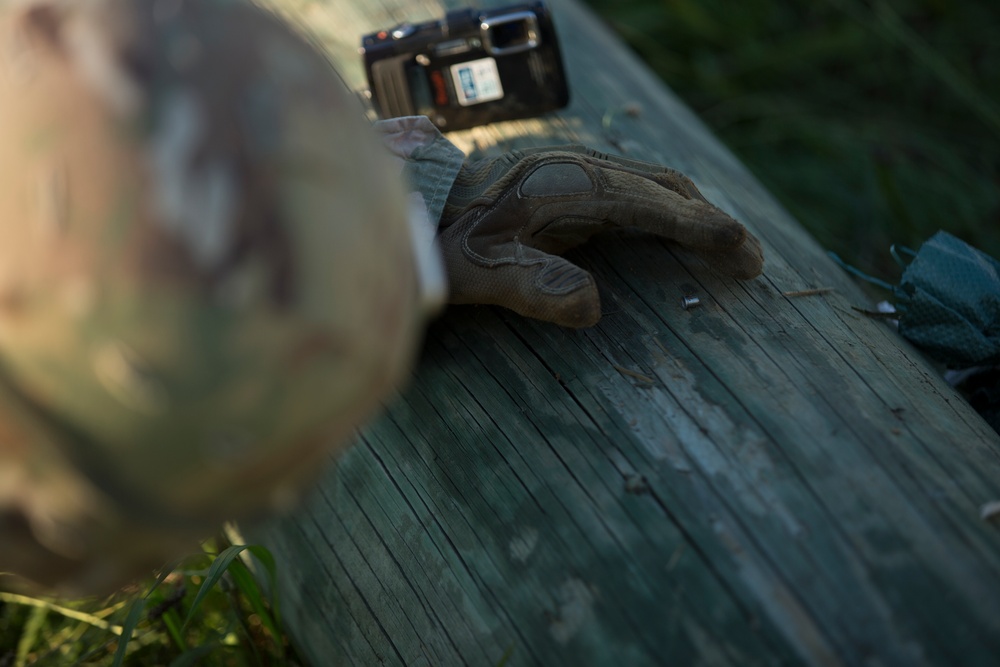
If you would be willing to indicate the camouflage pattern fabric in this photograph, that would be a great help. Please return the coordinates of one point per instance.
(206, 279)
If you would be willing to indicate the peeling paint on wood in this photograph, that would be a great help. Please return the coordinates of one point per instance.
(761, 480)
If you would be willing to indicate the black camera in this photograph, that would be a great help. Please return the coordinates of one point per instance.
(470, 68)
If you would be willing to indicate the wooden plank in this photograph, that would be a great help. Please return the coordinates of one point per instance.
(760, 480)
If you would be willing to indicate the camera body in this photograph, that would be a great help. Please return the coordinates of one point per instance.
(469, 68)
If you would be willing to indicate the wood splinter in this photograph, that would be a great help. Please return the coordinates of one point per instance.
(808, 292)
(633, 374)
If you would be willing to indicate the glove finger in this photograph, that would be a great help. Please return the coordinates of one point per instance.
(744, 262)
(646, 204)
(530, 282)
(559, 200)
(562, 217)
(563, 196)
(479, 176)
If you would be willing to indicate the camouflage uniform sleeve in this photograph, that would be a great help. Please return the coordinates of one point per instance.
(429, 164)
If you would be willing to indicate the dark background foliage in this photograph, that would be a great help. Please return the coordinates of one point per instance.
(873, 122)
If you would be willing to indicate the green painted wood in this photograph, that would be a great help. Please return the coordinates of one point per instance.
(761, 480)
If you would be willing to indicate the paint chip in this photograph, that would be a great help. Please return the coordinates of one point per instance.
(522, 546)
(576, 609)
(990, 511)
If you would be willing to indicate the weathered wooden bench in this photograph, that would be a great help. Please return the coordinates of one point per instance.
(767, 478)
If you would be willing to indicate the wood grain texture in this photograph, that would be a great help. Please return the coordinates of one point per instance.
(760, 480)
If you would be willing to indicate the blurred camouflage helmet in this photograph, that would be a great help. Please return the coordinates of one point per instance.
(206, 279)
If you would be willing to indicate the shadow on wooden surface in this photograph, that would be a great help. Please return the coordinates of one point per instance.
(761, 480)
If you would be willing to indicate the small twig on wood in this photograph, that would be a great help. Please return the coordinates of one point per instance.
(808, 292)
(675, 557)
(637, 376)
(663, 348)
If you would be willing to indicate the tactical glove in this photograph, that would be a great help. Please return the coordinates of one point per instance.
(508, 217)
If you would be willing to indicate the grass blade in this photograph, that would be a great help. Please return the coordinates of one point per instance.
(97, 622)
(164, 573)
(247, 585)
(134, 614)
(29, 637)
(266, 558)
(219, 567)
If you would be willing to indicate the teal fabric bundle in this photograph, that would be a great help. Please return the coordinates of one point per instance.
(948, 300)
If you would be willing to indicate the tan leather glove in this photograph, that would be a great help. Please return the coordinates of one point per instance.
(508, 217)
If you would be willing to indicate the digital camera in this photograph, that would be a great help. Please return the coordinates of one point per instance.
(470, 68)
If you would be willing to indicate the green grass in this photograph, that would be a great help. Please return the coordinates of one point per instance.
(206, 610)
(873, 122)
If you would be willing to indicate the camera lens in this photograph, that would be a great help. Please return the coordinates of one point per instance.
(510, 33)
